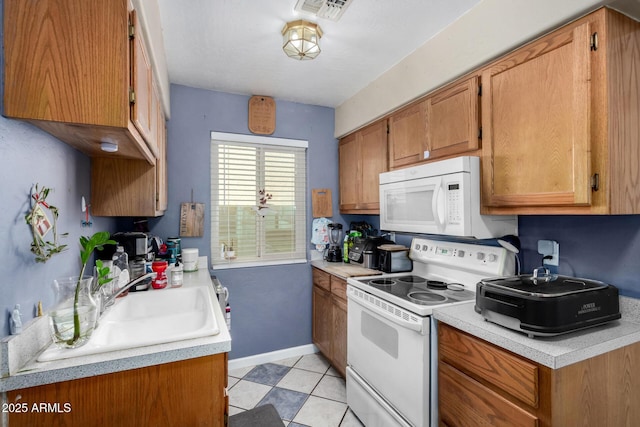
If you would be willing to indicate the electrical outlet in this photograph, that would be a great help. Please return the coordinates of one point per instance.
(549, 248)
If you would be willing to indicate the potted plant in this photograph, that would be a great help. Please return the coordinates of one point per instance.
(73, 320)
(229, 252)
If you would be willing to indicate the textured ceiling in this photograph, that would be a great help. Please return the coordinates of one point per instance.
(236, 46)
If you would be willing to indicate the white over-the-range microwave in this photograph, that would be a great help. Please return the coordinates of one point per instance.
(441, 197)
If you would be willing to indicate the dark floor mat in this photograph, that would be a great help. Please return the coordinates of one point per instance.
(261, 416)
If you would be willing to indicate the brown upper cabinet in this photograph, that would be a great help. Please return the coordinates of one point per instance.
(442, 124)
(452, 119)
(408, 135)
(560, 121)
(363, 156)
(70, 69)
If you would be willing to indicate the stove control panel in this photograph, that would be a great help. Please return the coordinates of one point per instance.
(492, 260)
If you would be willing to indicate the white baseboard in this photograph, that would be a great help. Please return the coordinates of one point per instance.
(272, 356)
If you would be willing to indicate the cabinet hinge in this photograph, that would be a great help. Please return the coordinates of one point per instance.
(479, 90)
(132, 96)
(594, 41)
(595, 182)
(132, 31)
(480, 133)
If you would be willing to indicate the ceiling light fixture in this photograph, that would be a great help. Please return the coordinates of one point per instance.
(301, 39)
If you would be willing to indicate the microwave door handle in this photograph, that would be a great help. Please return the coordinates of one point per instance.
(435, 203)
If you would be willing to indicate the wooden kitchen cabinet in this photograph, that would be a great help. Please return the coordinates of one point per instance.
(189, 392)
(124, 187)
(560, 121)
(362, 157)
(408, 135)
(482, 384)
(72, 70)
(330, 318)
(452, 118)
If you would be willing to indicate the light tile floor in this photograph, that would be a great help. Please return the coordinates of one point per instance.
(305, 390)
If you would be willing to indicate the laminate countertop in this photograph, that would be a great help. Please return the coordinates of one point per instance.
(344, 270)
(20, 369)
(554, 352)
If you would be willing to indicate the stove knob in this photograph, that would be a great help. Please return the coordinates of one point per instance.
(492, 258)
(480, 256)
(417, 247)
(425, 247)
(461, 254)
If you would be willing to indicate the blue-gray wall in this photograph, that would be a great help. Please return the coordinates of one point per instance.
(270, 306)
(29, 156)
(604, 248)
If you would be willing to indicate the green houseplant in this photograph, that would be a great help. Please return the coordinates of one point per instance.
(72, 322)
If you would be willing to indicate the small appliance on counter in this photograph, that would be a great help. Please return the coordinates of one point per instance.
(365, 251)
(394, 258)
(135, 243)
(542, 304)
(334, 253)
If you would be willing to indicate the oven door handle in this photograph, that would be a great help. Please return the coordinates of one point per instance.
(417, 327)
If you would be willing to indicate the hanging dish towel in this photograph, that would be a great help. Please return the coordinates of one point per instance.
(320, 233)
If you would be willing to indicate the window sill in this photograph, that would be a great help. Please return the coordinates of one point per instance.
(230, 265)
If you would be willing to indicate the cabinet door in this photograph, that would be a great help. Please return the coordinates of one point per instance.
(184, 393)
(141, 109)
(322, 321)
(339, 342)
(535, 115)
(161, 164)
(464, 401)
(408, 135)
(123, 188)
(374, 161)
(349, 154)
(452, 119)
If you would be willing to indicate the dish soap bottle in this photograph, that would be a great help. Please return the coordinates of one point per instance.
(121, 270)
(176, 275)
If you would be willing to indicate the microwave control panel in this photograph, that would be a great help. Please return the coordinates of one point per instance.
(454, 203)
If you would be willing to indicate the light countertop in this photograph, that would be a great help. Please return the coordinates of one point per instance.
(20, 374)
(554, 352)
(344, 270)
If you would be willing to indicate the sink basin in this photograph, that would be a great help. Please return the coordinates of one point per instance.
(148, 318)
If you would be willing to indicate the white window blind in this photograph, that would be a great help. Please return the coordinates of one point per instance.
(258, 206)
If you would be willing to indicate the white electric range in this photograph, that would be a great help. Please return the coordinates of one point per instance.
(392, 338)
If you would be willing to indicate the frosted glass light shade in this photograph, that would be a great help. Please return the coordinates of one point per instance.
(300, 39)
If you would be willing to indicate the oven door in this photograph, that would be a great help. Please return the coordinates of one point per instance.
(388, 350)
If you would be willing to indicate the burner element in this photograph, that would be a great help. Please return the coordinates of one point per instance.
(382, 282)
(411, 279)
(426, 298)
(436, 284)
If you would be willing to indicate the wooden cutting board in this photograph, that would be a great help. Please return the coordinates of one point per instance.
(346, 270)
(321, 204)
(191, 219)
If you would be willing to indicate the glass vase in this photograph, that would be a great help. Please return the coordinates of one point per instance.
(70, 324)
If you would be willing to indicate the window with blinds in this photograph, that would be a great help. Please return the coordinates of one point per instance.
(258, 207)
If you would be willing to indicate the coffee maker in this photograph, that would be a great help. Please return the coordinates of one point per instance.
(334, 253)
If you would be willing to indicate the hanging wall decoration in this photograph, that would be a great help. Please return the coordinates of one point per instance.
(42, 224)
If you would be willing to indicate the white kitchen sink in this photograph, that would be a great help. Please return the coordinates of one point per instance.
(147, 318)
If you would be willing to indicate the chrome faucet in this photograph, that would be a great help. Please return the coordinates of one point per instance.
(134, 282)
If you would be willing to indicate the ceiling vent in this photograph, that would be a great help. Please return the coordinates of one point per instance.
(327, 9)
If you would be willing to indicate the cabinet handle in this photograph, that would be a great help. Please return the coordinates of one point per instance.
(595, 182)
(594, 41)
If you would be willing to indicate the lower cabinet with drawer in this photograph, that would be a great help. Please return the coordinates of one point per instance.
(330, 318)
(481, 384)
